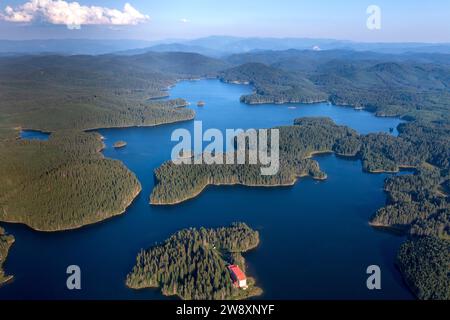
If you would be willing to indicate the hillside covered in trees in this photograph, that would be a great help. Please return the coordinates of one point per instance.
(273, 85)
(6, 242)
(192, 264)
(87, 92)
(411, 87)
(49, 185)
(425, 263)
(418, 204)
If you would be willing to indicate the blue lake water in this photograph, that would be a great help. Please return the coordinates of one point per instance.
(34, 135)
(315, 239)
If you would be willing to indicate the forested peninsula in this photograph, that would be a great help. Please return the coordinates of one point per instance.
(297, 143)
(192, 264)
(379, 153)
(49, 185)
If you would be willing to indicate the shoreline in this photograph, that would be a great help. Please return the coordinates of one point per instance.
(94, 129)
(250, 292)
(7, 278)
(258, 292)
(76, 227)
(309, 155)
(250, 185)
(400, 168)
(388, 227)
(328, 101)
(280, 103)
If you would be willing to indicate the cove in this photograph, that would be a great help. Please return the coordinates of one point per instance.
(315, 234)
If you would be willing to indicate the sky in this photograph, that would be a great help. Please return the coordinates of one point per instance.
(399, 20)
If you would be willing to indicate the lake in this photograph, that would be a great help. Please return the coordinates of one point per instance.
(315, 239)
(34, 135)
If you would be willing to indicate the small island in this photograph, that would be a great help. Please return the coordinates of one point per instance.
(201, 103)
(199, 264)
(6, 242)
(120, 144)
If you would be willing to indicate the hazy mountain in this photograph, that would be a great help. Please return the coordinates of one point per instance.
(174, 47)
(241, 45)
(69, 46)
(308, 60)
(215, 46)
(165, 64)
(177, 63)
(238, 45)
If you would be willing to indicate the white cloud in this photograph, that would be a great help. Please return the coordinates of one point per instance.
(184, 20)
(72, 14)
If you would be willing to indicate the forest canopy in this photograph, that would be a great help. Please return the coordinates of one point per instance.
(425, 264)
(48, 185)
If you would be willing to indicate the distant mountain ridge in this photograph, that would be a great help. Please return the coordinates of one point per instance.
(69, 46)
(223, 45)
(173, 47)
(215, 46)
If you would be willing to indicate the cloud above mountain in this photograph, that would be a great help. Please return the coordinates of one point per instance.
(72, 14)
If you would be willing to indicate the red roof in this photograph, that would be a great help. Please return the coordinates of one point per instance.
(237, 272)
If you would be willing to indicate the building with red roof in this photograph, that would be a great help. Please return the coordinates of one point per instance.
(238, 276)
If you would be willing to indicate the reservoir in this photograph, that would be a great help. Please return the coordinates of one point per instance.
(315, 239)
